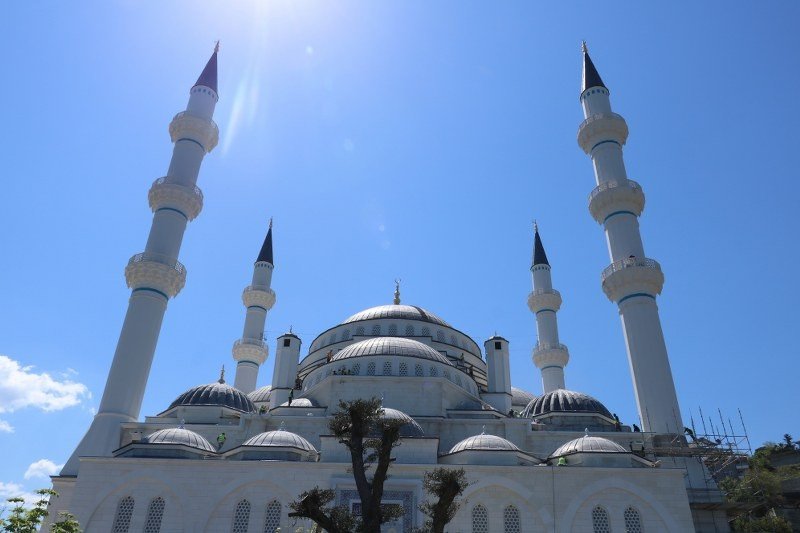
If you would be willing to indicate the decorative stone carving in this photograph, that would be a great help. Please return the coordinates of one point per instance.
(544, 299)
(155, 271)
(259, 296)
(187, 200)
(602, 127)
(254, 350)
(188, 126)
(632, 276)
(612, 196)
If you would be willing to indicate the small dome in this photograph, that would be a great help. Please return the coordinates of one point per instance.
(406, 312)
(484, 442)
(280, 439)
(409, 427)
(218, 394)
(521, 397)
(396, 346)
(587, 444)
(179, 436)
(260, 395)
(562, 400)
(300, 402)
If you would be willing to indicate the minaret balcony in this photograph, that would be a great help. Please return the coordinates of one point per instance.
(541, 299)
(632, 276)
(201, 130)
(616, 196)
(254, 350)
(602, 127)
(187, 200)
(550, 354)
(255, 296)
(157, 272)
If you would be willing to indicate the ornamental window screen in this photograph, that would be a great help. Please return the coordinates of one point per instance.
(418, 371)
(633, 522)
(241, 517)
(480, 519)
(371, 369)
(376, 329)
(387, 368)
(155, 513)
(393, 330)
(440, 336)
(426, 331)
(346, 335)
(122, 520)
(453, 340)
(434, 372)
(272, 521)
(511, 522)
(600, 521)
(404, 369)
(356, 369)
(409, 330)
(360, 330)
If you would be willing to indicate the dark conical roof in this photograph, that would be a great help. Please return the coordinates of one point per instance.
(539, 257)
(591, 78)
(265, 255)
(208, 78)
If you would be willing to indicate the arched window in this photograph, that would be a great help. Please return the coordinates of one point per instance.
(346, 335)
(371, 369)
(356, 369)
(600, 521)
(633, 522)
(403, 369)
(409, 330)
(434, 371)
(418, 371)
(453, 340)
(155, 512)
(392, 330)
(122, 520)
(241, 517)
(387, 368)
(272, 522)
(426, 331)
(360, 330)
(376, 329)
(440, 336)
(480, 519)
(511, 521)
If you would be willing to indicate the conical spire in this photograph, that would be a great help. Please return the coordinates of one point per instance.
(208, 78)
(265, 255)
(591, 78)
(539, 257)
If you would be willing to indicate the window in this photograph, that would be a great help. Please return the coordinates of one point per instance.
(418, 371)
(272, 522)
(409, 330)
(360, 330)
(447, 374)
(453, 340)
(480, 519)
(497, 345)
(241, 517)
(600, 521)
(346, 335)
(511, 519)
(122, 520)
(287, 343)
(434, 372)
(387, 368)
(356, 369)
(403, 369)
(376, 329)
(155, 512)
(426, 331)
(633, 522)
(371, 369)
(440, 336)
(393, 330)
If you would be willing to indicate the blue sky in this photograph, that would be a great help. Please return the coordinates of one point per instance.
(396, 139)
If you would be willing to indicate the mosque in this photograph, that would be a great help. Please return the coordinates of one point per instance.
(231, 457)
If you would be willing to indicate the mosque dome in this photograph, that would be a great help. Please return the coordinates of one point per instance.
(565, 401)
(409, 427)
(405, 312)
(179, 436)
(397, 346)
(484, 442)
(261, 395)
(521, 397)
(587, 444)
(215, 394)
(280, 439)
(300, 402)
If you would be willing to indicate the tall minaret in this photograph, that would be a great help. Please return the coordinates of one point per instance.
(549, 355)
(632, 280)
(155, 275)
(251, 351)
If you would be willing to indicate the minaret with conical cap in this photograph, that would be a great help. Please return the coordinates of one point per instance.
(549, 355)
(251, 351)
(632, 280)
(155, 275)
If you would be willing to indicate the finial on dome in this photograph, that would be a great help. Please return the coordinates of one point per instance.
(282, 427)
(584, 48)
(183, 423)
(290, 330)
(586, 432)
(222, 375)
(216, 47)
(483, 431)
(397, 291)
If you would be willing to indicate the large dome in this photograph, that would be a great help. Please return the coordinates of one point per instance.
(565, 401)
(397, 346)
(179, 436)
(484, 442)
(588, 444)
(407, 312)
(216, 394)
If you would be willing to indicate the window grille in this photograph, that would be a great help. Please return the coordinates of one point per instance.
(633, 522)
(418, 371)
(122, 520)
(480, 519)
(155, 512)
(409, 330)
(600, 521)
(371, 369)
(387, 368)
(360, 330)
(434, 372)
(453, 340)
(376, 329)
(403, 369)
(346, 335)
(440, 335)
(241, 517)
(356, 369)
(272, 522)
(393, 330)
(511, 522)
(426, 331)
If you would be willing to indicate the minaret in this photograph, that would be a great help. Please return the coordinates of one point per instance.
(632, 281)
(251, 351)
(549, 355)
(155, 275)
(284, 375)
(498, 374)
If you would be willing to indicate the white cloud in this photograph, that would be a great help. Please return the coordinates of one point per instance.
(20, 387)
(43, 468)
(13, 490)
(5, 427)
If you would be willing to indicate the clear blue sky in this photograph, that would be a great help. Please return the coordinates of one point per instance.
(397, 139)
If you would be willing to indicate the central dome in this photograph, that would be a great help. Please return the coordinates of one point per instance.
(398, 346)
(407, 312)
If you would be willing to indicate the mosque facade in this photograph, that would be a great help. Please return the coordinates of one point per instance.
(231, 457)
